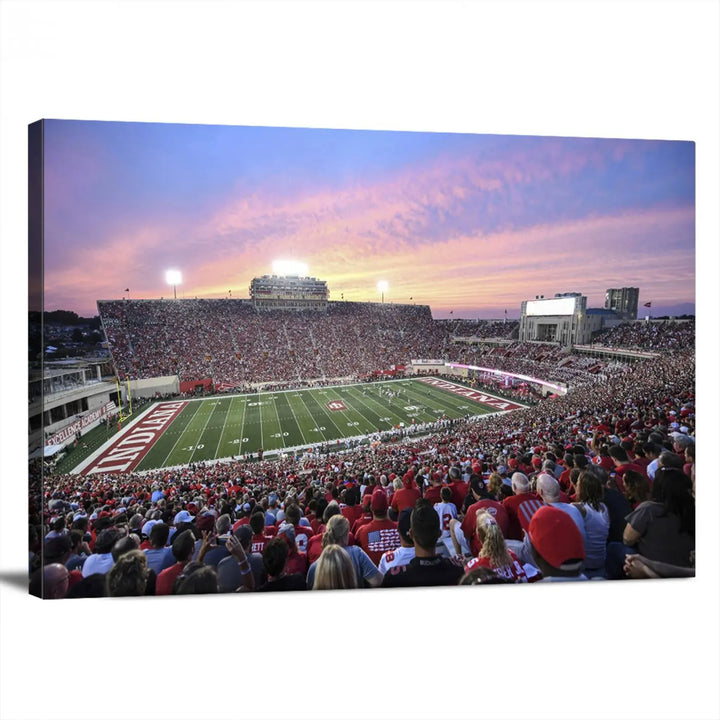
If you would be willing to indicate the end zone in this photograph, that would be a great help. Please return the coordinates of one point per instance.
(130, 446)
(476, 395)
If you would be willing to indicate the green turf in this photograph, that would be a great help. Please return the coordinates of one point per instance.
(229, 426)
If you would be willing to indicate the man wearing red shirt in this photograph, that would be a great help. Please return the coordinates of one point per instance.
(603, 459)
(623, 464)
(183, 547)
(296, 561)
(367, 515)
(482, 500)
(407, 496)
(432, 494)
(458, 487)
(521, 506)
(303, 533)
(262, 534)
(380, 534)
(352, 511)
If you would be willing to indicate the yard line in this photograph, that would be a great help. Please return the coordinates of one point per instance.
(222, 432)
(431, 400)
(202, 432)
(262, 441)
(294, 418)
(172, 449)
(369, 409)
(312, 417)
(242, 428)
(328, 416)
(387, 410)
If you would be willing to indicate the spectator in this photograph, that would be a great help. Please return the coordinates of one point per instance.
(50, 582)
(622, 464)
(407, 495)
(447, 512)
(458, 486)
(485, 501)
(297, 563)
(494, 553)
(101, 560)
(352, 510)
(557, 545)
(380, 535)
(231, 572)
(196, 579)
(336, 533)
(128, 576)
(303, 533)
(521, 506)
(637, 487)
(259, 538)
(426, 568)
(403, 554)
(367, 515)
(661, 529)
(334, 570)
(596, 519)
(218, 551)
(159, 557)
(275, 558)
(183, 546)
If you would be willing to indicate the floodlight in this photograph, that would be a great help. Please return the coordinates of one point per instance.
(382, 287)
(289, 267)
(174, 278)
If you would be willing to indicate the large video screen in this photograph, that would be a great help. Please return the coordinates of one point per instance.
(552, 306)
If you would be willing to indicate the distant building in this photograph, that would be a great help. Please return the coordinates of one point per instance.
(563, 319)
(274, 292)
(623, 301)
(557, 320)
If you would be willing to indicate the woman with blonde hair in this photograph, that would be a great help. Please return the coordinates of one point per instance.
(334, 570)
(494, 484)
(337, 531)
(494, 553)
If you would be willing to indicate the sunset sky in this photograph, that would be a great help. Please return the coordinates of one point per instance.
(472, 224)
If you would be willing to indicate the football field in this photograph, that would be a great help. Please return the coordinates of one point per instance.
(188, 431)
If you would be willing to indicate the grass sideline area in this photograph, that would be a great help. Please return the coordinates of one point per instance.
(285, 421)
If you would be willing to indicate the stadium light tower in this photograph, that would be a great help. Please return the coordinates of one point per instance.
(174, 278)
(382, 289)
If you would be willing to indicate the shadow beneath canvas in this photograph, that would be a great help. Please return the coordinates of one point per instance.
(14, 578)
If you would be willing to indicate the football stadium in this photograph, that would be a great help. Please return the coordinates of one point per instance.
(223, 444)
(413, 412)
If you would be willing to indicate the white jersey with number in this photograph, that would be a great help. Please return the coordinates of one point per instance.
(396, 558)
(447, 512)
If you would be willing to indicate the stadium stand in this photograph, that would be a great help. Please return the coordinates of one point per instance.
(586, 439)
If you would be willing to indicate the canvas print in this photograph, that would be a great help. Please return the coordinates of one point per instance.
(290, 359)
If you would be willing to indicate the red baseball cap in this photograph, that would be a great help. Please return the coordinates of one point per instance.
(379, 502)
(556, 537)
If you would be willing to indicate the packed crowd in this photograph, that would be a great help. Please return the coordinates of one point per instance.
(667, 335)
(231, 343)
(498, 329)
(235, 346)
(595, 484)
(543, 360)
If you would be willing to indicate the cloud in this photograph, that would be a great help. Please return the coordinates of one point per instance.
(454, 230)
